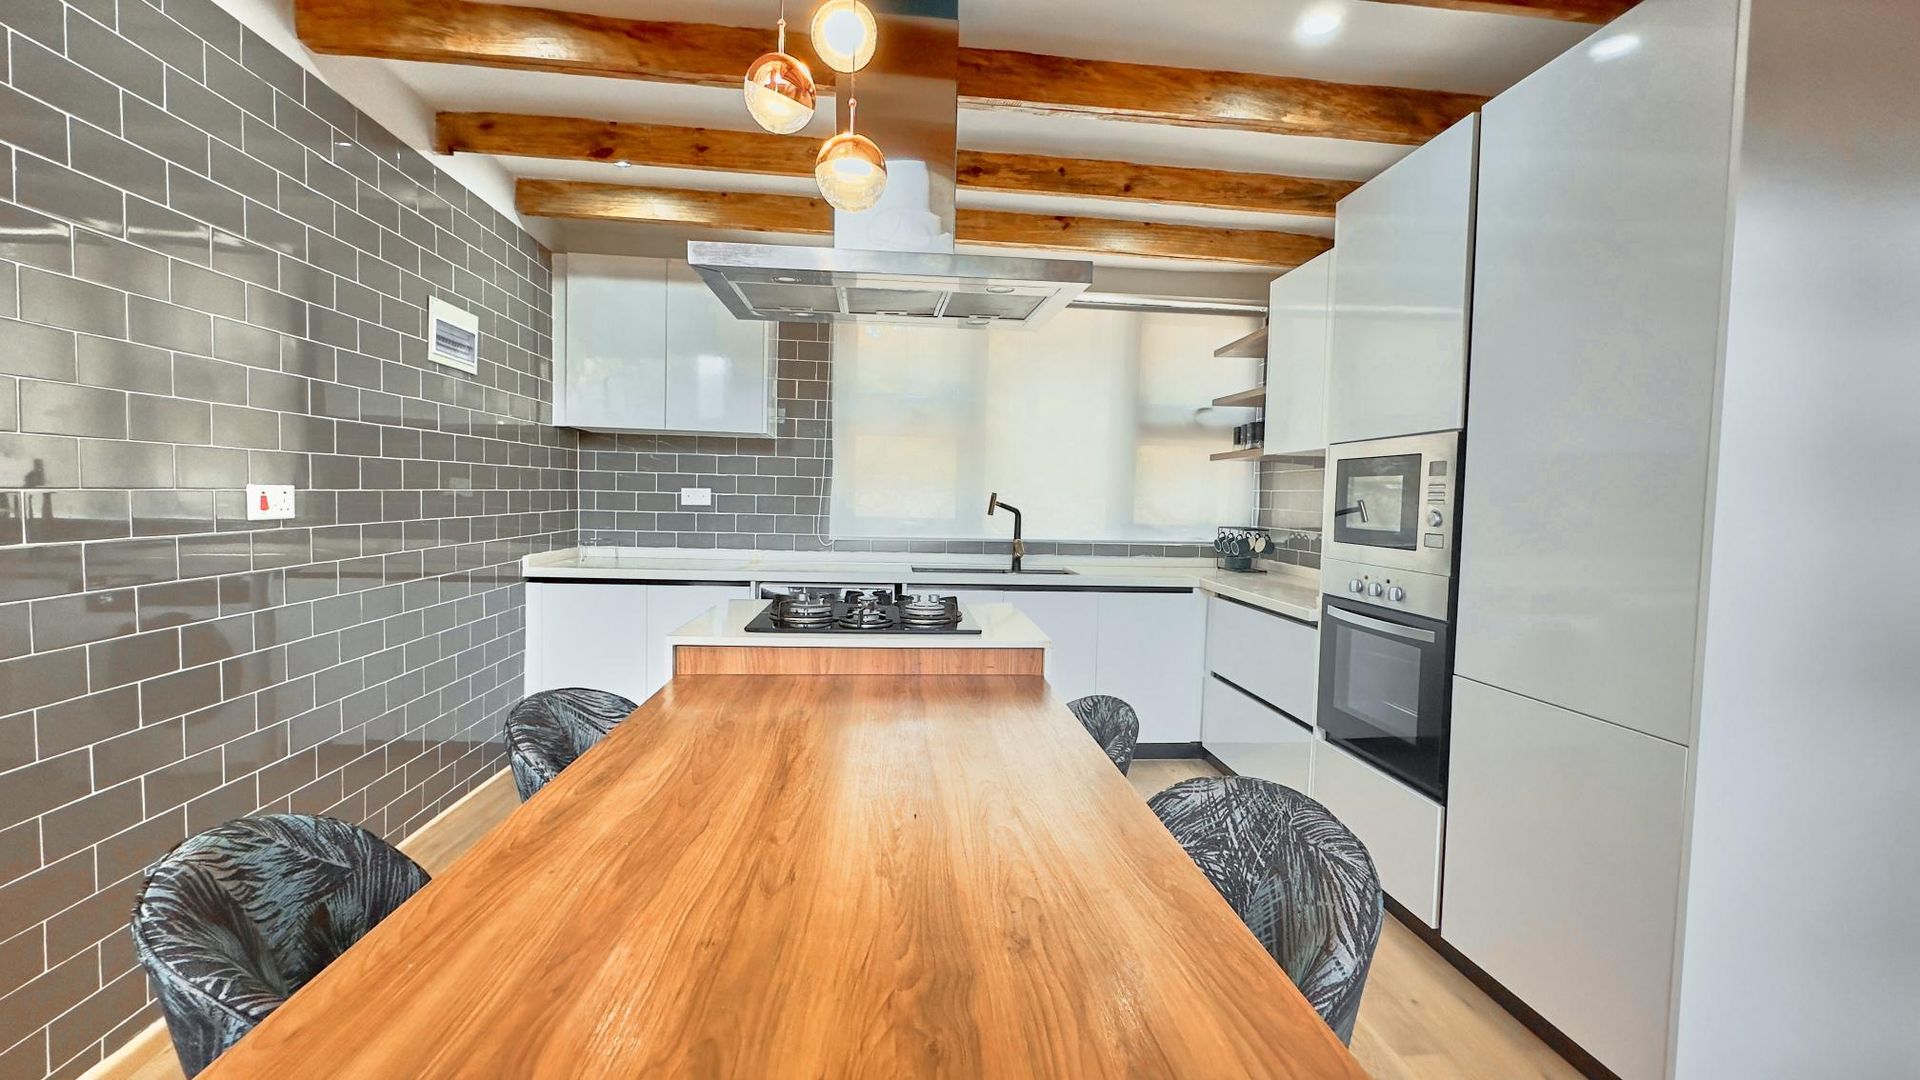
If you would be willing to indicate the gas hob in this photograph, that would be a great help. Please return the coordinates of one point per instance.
(862, 611)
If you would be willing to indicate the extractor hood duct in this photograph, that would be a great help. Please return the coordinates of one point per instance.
(895, 263)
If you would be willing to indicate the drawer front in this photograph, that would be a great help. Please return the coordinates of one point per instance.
(1254, 740)
(1271, 657)
(1401, 827)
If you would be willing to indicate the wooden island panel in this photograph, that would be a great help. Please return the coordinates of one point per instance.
(783, 660)
(808, 876)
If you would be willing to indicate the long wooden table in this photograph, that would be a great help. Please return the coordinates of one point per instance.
(813, 876)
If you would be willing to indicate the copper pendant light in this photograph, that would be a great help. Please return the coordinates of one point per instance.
(779, 88)
(851, 170)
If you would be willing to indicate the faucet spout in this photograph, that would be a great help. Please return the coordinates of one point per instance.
(1019, 545)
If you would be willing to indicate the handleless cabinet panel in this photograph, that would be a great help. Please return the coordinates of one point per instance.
(1254, 739)
(669, 607)
(1269, 656)
(1152, 648)
(1400, 289)
(1603, 209)
(1563, 868)
(717, 377)
(1401, 828)
(590, 635)
(610, 320)
(1072, 620)
(1299, 318)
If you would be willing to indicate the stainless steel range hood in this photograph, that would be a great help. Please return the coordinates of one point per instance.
(895, 262)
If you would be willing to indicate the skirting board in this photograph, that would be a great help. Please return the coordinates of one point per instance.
(135, 1058)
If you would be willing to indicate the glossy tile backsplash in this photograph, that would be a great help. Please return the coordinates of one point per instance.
(213, 272)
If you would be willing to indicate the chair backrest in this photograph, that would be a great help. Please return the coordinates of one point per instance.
(236, 918)
(548, 731)
(1299, 879)
(1112, 723)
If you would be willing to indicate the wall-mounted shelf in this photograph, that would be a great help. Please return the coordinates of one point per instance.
(1253, 398)
(1245, 453)
(1253, 346)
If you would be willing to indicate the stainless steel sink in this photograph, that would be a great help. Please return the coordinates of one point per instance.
(1002, 571)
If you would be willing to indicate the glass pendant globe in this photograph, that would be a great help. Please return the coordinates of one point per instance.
(844, 34)
(851, 171)
(780, 93)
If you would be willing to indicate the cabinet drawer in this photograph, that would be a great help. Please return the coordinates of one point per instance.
(1269, 656)
(1401, 827)
(1254, 740)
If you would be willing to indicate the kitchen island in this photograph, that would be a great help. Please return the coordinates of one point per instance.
(758, 876)
(718, 642)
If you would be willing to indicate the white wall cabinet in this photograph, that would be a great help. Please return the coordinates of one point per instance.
(1152, 651)
(1269, 656)
(1254, 739)
(643, 345)
(1299, 321)
(1400, 295)
(1563, 868)
(610, 636)
(1401, 828)
(1596, 338)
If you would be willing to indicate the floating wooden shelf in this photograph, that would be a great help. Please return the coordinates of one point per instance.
(1247, 453)
(1253, 345)
(1253, 398)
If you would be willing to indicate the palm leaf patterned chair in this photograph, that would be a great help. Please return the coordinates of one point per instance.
(236, 918)
(1299, 879)
(548, 731)
(1112, 723)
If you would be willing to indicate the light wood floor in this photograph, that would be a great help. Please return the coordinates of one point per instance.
(1420, 1019)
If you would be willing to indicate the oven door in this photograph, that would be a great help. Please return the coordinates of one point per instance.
(1383, 690)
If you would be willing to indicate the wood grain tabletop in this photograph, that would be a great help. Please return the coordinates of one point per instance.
(813, 876)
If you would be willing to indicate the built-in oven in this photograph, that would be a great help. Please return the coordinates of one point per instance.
(1385, 689)
(1390, 502)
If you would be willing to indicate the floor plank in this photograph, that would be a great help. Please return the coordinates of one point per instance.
(1420, 1019)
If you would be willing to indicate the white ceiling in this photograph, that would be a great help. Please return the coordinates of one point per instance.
(1373, 43)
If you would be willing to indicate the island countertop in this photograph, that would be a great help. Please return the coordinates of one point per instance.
(758, 876)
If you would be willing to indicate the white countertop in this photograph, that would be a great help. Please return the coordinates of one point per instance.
(1290, 591)
(1002, 626)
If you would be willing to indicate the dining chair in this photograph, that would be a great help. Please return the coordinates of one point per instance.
(548, 731)
(1299, 879)
(234, 919)
(1112, 723)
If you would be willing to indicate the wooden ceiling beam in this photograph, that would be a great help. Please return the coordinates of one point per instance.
(1597, 12)
(535, 39)
(568, 138)
(799, 215)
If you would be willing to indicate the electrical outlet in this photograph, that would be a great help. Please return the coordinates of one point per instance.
(696, 496)
(269, 502)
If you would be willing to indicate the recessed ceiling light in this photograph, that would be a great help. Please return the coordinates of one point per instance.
(999, 288)
(1613, 47)
(1320, 23)
(786, 280)
(623, 163)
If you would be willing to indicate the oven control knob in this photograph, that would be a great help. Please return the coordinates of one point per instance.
(1356, 586)
(1434, 519)
(1375, 589)
(1396, 594)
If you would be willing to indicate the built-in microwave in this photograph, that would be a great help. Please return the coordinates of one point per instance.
(1390, 502)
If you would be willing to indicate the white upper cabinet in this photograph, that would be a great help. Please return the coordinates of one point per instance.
(719, 369)
(1400, 295)
(643, 345)
(610, 342)
(1299, 314)
(1597, 301)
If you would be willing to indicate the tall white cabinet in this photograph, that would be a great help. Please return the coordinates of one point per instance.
(644, 345)
(1401, 284)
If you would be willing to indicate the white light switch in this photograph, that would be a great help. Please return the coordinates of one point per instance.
(269, 502)
(696, 496)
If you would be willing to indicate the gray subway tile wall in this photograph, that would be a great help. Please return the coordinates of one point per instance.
(1291, 493)
(213, 271)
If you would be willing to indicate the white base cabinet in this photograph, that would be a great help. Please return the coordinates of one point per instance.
(610, 636)
(1401, 827)
(1269, 656)
(1563, 868)
(1253, 739)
